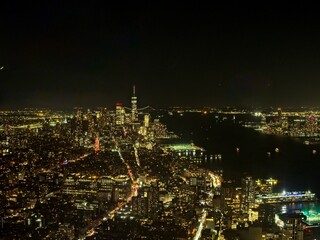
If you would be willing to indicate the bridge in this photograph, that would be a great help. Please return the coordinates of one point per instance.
(141, 109)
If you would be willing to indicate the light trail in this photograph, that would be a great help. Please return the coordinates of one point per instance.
(30, 126)
(129, 170)
(201, 225)
(136, 155)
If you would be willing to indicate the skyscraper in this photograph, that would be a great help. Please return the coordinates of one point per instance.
(134, 110)
(248, 194)
(119, 114)
(293, 229)
(146, 120)
(78, 125)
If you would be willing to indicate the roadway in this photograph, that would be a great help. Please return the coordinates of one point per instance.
(112, 213)
(201, 225)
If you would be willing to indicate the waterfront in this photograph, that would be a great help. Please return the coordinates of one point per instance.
(114, 176)
(310, 209)
(245, 151)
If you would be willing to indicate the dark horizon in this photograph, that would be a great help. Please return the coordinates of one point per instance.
(61, 55)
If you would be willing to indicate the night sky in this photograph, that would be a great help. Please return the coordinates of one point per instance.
(61, 54)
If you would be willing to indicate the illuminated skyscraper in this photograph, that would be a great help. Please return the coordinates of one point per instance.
(78, 125)
(144, 128)
(293, 228)
(146, 120)
(120, 114)
(134, 110)
(248, 194)
(140, 206)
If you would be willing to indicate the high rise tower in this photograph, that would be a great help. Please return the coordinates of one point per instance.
(248, 194)
(119, 114)
(146, 120)
(134, 110)
(78, 117)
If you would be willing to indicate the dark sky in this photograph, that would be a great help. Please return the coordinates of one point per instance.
(89, 53)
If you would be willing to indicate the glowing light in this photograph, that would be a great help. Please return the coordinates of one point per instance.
(96, 145)
(65, 162)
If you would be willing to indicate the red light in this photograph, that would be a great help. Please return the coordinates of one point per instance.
(308, 230)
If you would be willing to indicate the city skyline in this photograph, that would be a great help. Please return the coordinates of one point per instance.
(188, 54)
(103, 174)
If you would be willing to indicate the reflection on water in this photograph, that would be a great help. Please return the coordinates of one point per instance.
(310, 209)
(245, 151)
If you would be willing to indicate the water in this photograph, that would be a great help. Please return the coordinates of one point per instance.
(310, 209)
(294, 165)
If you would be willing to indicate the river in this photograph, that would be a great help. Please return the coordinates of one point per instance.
(248, 152)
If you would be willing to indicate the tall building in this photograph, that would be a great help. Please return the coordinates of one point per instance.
(78, 125)
(134, 110)
(120, 114)
(293, 228)
(146, 120)
(140, 206)
(248, 194)
(267, 214)
(228, 190)
(231, 203)
(151, 193)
